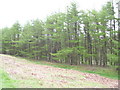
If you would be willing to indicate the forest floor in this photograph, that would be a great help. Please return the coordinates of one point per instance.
(21, 73)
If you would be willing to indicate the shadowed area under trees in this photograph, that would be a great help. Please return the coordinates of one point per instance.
(74, 37)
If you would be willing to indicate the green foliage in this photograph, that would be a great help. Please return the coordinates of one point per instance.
(62, 54)
(74, 37)
(112, 57)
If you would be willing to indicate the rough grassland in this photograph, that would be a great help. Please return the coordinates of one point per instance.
(21, 73)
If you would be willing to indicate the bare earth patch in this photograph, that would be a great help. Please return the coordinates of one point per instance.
(50, 77)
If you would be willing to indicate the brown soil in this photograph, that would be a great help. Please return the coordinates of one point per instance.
(22, 69)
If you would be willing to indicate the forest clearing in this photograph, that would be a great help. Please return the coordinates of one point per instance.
(71, 48)
(22, 73)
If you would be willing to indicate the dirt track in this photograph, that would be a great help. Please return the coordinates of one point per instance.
(52, 77)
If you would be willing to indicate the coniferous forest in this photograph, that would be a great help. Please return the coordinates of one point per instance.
(73, 37)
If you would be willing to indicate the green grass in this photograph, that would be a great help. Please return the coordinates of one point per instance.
(5, 80)
(32, 82)
(108, 72)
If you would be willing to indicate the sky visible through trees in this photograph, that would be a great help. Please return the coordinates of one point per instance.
(73, 37)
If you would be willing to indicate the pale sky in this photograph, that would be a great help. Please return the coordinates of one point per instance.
(24, 10)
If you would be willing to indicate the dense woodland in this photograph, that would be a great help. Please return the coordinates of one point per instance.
(73, 37)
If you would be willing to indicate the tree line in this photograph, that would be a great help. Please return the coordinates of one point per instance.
(73, 37)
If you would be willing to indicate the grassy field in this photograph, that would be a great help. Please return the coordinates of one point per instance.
(109, 72)
(23, 73)
(7, 81)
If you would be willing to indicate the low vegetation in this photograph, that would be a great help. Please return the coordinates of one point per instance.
(109, 72)
(22, 73)
(6, 80)
(76, 40)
